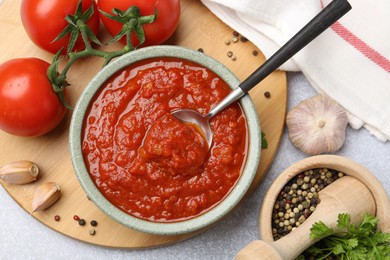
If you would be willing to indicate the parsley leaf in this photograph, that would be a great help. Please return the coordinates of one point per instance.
(348, 241)
(264, 142)
(319, 230)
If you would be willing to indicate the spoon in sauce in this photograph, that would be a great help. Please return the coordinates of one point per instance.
(330, 14)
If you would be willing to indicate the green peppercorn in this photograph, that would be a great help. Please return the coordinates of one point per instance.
(306, 204)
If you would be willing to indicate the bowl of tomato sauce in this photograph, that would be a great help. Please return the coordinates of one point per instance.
(148, 170)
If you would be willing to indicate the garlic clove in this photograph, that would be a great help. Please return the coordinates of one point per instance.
(317, 125)
(45, 196)
(19, 172)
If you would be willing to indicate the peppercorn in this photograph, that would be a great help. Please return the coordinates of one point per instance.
(305, 204)
(81, 222)
(92, 232)
(57, 218)
(243, 39)
(75, 217)
(299, 198)
(93, 223)
(268, 95)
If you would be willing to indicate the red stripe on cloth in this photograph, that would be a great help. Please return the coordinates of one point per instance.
(360, 45)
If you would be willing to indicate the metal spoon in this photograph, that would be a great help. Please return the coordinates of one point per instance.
(330, 14)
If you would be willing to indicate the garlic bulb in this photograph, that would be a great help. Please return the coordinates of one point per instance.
(19, 172)
(45, 195)
(317, 125)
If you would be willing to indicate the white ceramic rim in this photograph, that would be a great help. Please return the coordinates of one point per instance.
(175, 228)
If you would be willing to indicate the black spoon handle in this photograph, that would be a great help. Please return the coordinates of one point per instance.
(330, 14)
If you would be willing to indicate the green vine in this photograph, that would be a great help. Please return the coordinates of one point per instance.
(77, 26)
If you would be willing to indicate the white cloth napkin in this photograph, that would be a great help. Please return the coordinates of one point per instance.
(349, 62)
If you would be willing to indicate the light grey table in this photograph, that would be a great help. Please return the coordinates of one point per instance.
(23, 237)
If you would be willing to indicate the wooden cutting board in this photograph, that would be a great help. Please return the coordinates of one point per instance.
(198, 28)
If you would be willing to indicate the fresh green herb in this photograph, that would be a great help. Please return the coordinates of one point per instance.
(132, 21)
(348, 241)
(264, 143)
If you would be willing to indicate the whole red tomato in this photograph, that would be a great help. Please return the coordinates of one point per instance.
(28, 104)
(157, 32)
(43, 20)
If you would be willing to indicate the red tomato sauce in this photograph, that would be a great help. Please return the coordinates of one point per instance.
(148, 163)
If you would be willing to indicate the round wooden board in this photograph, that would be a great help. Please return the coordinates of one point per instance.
(198, 28)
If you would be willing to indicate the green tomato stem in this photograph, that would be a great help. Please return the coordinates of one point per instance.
(58, 79)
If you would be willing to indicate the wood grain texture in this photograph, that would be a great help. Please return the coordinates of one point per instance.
(198, 28)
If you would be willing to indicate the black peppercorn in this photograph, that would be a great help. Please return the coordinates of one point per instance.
(81, 222)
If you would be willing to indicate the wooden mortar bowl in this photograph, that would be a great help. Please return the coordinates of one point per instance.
(365, 181)
(334, 162)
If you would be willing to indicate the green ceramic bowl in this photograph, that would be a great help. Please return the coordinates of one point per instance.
(199, 222)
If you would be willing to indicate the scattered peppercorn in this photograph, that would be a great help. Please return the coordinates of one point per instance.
(227, 42)
(92, 232)
(255, 53)
(93, 223)
(235, 34)
(75, 217)
(234, 39)
(299, 199)
(234, 58)
(267, 94)
(81, 222)
(201, 50)
(229, 54)
(243, 39)
(57, 218)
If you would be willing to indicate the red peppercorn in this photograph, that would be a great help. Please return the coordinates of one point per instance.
(57, 218)
(75, 217)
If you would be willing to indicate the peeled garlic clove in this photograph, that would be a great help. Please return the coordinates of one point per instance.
(19, 172)
(45, 195)
(317, 125)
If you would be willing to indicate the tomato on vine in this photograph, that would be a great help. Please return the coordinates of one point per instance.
(44, 20)
(28, 104)
(32, 96)
(168, 14)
